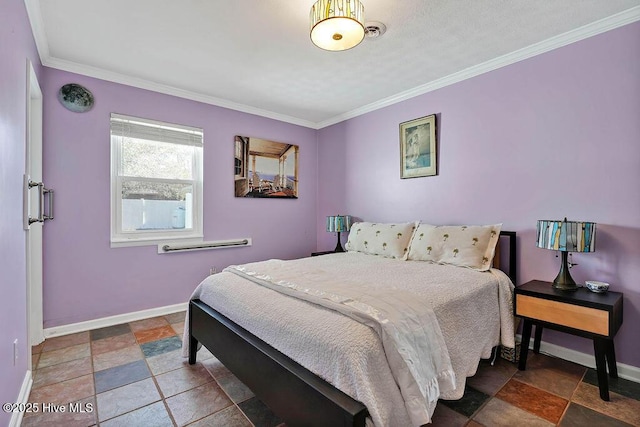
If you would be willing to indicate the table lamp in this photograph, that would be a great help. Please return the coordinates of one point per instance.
(566, 236)
(338, 224)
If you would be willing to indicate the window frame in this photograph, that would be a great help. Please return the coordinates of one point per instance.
(243, 157)
(120, 238)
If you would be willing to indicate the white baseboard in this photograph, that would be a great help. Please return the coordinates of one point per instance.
(72, 328)
(23, 397)
(627, 372)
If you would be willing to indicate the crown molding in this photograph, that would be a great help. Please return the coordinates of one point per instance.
(37, 28)
(606, 24)
(42, 45)
(609, 23)
(99, 73)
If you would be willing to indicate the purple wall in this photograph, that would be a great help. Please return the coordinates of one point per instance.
(552, 136)
(16, 45)
(84, 278)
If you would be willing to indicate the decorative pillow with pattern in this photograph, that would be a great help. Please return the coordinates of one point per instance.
(386, 240)
(470, 246)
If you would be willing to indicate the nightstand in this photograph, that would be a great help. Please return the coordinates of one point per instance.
(322, 253)
(581, 312)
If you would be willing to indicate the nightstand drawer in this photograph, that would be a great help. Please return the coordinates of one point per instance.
(569, 315)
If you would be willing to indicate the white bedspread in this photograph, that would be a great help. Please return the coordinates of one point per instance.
(472, 309)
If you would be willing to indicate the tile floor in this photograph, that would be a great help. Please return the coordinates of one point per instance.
(133, 375)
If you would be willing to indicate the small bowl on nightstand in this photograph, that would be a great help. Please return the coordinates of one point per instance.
(595, 286)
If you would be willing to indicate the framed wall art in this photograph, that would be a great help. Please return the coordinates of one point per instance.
(265, 169)
(418, 147)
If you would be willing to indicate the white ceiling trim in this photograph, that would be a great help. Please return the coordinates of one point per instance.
(614, 21)
(589, 30)
(74, 67)
(37, 28)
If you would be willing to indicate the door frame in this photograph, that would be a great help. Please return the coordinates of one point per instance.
(34, 113)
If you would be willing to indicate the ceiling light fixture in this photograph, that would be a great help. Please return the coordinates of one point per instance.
(337, 24)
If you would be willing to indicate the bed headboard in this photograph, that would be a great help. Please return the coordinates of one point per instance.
(506, 244)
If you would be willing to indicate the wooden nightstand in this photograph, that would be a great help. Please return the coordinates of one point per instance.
(581, 312)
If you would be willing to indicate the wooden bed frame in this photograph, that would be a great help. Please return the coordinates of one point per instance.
(291, 391)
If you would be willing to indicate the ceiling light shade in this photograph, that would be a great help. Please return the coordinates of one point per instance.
(337, 24)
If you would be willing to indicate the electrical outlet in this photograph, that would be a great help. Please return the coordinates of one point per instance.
(212, 270)
(15, 352)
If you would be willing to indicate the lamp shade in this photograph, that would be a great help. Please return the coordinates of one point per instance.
(338, 223)
(337, 24)
(566, 236)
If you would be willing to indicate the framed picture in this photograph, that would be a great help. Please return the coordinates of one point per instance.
(265, 169)
(418, 147)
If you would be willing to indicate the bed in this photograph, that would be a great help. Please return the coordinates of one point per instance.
(319, 365)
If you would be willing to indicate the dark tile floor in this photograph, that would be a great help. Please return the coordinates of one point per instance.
(134, 375)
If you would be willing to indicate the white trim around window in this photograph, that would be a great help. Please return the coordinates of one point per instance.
(131, 130)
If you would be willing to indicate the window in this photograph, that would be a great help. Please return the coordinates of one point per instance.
(156, 181)
(239, 165)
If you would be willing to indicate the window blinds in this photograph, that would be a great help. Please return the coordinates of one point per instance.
(133, 127)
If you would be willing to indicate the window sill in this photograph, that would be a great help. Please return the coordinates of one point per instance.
(157, 240)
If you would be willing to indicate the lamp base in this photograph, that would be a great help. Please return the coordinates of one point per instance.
(338, 245)
(563, 280)
(565, 286)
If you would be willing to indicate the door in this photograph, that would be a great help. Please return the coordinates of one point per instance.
(34, 217)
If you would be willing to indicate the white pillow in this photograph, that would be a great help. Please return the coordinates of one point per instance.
(470, 246)
(386, 240)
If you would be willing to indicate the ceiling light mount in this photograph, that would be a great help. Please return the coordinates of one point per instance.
(337, 24)
(374, 29)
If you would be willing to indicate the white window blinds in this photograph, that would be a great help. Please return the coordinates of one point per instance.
(133, 127)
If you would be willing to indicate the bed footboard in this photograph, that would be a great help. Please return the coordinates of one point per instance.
(291, 391)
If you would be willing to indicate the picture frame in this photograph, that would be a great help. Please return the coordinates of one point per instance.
(418, 147)
(265, 169)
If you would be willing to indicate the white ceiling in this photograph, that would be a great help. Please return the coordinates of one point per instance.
(256, 55)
